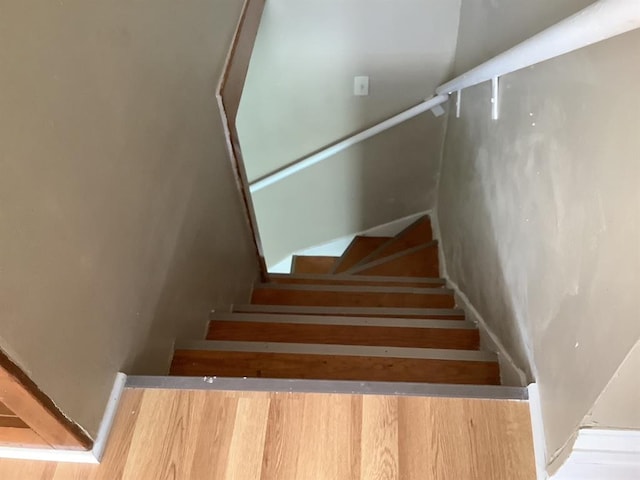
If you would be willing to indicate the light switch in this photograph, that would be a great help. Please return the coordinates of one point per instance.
(361, 86)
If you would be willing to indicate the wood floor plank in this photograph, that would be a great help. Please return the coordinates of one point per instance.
(216, 425)
(469, 438)
(283, 436)
(166, 453)
(327, 452)
(246, 447)
(461, 339)
(379, 445)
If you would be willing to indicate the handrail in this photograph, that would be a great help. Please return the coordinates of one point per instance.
(346, 143)
(600, 21)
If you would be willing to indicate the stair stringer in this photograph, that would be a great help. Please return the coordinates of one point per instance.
(510, 373)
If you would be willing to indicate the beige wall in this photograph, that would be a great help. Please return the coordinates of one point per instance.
(540, 211)
(120, 224)
(299, 99)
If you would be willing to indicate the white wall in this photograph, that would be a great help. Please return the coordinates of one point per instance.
(120, 222)
(619, 404)
(299, 98)
(540, 211)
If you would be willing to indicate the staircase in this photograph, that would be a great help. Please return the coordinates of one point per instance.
(378, 313)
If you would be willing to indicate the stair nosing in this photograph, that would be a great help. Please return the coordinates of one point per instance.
(390, 258)
(408, 228)
(355, 288)
(360, 278)
(344, 321)
(354, 387)
(397, 311)
(338, 350)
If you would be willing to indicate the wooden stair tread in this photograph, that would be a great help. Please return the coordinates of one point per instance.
(333, 367)
(352, 296)
(418, 313)
(451, 338)
(418, 233)
(359, 248)
(312, 264)
(339, 320)
(346, 279)
(420, 261)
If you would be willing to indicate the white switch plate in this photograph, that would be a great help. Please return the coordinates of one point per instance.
(361, 86)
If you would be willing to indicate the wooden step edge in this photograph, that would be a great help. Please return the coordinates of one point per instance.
(440, 390)
(295, 258)
(354, 288)
(342, 257)
(368, 311)
(338, 350)
(382, 247)
(390, 258)
(359, 278)
(345, 321)
(336, 268)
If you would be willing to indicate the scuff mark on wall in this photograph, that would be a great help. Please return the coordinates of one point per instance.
(540, 211)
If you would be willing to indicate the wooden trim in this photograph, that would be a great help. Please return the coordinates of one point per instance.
(23, 397)
(228, 94)
(12, 422)
(374, 255)
(5, 411)
(21, 437)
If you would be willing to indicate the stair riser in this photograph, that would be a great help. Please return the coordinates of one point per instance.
(421, 263)
(354, 281)
(346, 313)
(414, 235)
(311, 264)
(359, 249)
(266, 296)
(345, 335)
(332, 367)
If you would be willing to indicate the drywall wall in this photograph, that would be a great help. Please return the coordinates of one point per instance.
(540, 211)
(349, 193)
(120, 223)
(619, 404)
(299, 99)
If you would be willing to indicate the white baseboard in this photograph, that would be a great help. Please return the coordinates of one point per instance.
(510, 373)
(76, 456)
(537, 429)
(600, 454)
(337, 246)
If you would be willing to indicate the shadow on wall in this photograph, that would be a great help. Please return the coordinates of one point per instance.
(299, 98)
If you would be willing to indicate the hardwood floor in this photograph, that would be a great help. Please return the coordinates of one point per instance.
(174, 435)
